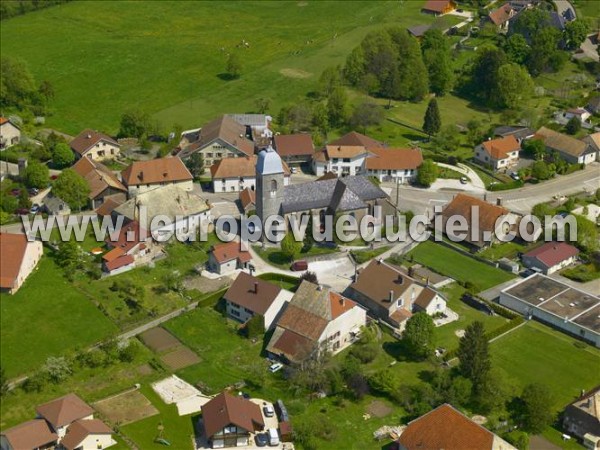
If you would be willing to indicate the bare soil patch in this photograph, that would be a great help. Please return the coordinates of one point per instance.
(126, 408)
(159, 340)
(379, 409)
(180, 358)
(295, 73)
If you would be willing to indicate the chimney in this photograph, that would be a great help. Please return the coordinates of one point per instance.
(411, 271)
(141, 175)
(256, 287)
(499, 201)
(391, 296)
(343, 301)
(319, 288)
(485, 197)
(89, 136)
(165, 174)
(399, 280)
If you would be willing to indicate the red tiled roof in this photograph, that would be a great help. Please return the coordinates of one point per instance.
(227, 130)
(64, 410)
(88, 138)
(292, 345)
(127, 237)
(488, 213)
(230, 250)
(3, 120)
(553, 253)
(501, 147)
(247, 197)
(445, 428)
(356, 139)
(31, 434)
(238, 167)
(106, 208)
(437, 6)
(80, 430)
(225, 409)
(339, 304)
(294, 144)
(500, 15)
(119, 262)
(395, 159)
(12, 252)
(155, 171)
(252, 293)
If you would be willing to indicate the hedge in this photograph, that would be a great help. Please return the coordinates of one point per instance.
(212, 298)
(270, 276)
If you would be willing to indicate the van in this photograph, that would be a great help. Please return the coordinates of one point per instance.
(300, 265)
(273, 437)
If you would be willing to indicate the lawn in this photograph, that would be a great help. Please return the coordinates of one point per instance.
(536, 353)
(178, 430)
(48, 316)
(154, 299)
(455, 265)
(582, 272)
(91, 384)
(508, 250)
(362, 256)
(161, 57)
(274, 255)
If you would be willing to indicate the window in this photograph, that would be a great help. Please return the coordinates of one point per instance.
(346, 160)
(273, 188)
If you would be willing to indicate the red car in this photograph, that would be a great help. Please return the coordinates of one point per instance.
(298, 266)
(22, 211)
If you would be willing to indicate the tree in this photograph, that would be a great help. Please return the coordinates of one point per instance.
(134, 124)
(255, 326)
(195, 164)
(427, 173)
(418, 335)
(474, 356)
(484, 74)
(37, 175)
(17, 86)
(57, 369)
(412, 80)
(310, 276)
(69, 255)
(3, 382)
(534, 148)
(62, 155)
(519, 439)
(46, 90)
(438, 60)
(354, 69)
(573, 126)
(545, 53)
(234, 66)
(337, 106)
(516, 48)
(329, 80)
(539, 170)
(432, 122)
(575, 33)
(71, 188)
(262, 104)
(514, 85)
(536, 412)
(447, 139)
(366, 114)
(320, 118)
(290, 247)
(587, 234)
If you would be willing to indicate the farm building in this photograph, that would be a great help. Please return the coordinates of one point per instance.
(561, 306)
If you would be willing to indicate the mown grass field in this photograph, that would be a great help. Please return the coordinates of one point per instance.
(166, 57)
(48, 316)
(455, 265)
(536, 353)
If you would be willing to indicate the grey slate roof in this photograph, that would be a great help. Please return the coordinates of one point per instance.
(341, 194)
(518, 132)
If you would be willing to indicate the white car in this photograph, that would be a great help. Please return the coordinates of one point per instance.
(293, 170)
(268, 410)
(273, 437)
(275, 367)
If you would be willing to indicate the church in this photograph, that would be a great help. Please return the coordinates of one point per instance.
(353, 195)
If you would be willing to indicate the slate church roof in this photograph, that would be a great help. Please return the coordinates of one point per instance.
(340, 194)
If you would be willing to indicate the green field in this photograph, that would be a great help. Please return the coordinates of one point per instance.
(165, 57)
(455, 265)
(537, 353)
(47, 317)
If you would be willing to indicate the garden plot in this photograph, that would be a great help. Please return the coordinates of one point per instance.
(127, 407)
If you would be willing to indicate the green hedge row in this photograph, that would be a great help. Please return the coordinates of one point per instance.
(505, 327)
(270, 276)
(212, 298)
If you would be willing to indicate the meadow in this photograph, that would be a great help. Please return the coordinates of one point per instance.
(166, 57)
(48, 316)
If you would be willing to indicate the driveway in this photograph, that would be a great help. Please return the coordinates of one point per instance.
(476, 181)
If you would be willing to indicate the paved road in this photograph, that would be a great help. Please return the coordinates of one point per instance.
(519, 200)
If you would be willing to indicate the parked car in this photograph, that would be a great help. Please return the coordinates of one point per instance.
(273, 437)
(268, 410)
(261, 439)
(33, 191)
(299, 266)
(276, 367)
(515, 176)
(464, 180)
(22, 211)
(15, 192)
(293, 170)
(35, 208)
(281, 411)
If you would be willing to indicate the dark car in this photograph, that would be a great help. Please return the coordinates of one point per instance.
(35, 208)
(22, 211)
(261, 439)
(33, 191)
(298, 266)
(15, 192)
